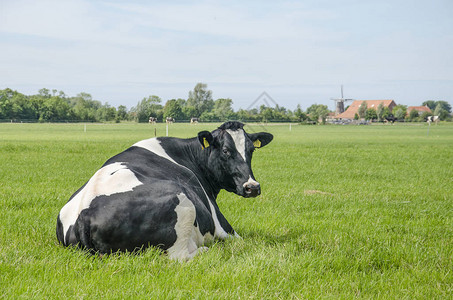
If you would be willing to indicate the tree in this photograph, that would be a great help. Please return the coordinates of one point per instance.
(44, 92)
(56, 106)
(266, 113)
(18, 106)
(317, 112)
(200, 99)
(222, 108)
(385, 112)
(371, 114)
(173, 109)
(279, 113)
(189, 112)
(441, 112)
(247, 115)
(148, 107)
(106, 113)
(438, 110)
(413, 116)
(85, 107)
(380, 111)
(6, 103)
(445, 106)
(181, 102)
(299, 114)
(121, 112)
(54, 109)
(433, 105)
(362, 110)
(400, 112)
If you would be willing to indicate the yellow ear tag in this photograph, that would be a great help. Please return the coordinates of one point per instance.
(257, 144)
(205, 143)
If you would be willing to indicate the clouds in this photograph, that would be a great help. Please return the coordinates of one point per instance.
(65, 20)
(232, 20)
(122, 51)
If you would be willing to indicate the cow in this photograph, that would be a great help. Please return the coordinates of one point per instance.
(169, 120)
(152, 120)
(433, 119)
(390, 119)
(194, 120)
(161, 192)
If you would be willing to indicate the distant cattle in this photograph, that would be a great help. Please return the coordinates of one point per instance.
(433, 119)
(162, 192)
(152, 120)
(169, 120)
(194, 121)
(390, 118)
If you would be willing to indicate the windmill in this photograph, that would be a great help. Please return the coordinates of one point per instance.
(339, 103)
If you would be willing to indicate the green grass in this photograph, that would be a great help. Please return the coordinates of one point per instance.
(345, 212)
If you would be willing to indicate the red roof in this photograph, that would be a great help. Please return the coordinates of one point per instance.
(420, 109)
(354, 107)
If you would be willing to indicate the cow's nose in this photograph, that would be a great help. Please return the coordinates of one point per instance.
(252, 189)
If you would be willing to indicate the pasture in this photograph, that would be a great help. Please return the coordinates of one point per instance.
(345, 212)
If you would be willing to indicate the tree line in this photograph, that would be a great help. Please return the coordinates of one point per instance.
(200, 104)
(47, 106)
(56, 106)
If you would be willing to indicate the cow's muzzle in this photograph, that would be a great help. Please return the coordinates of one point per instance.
(251, 189)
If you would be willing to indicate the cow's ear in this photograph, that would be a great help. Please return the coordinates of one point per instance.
(206, 139)
(261, 139)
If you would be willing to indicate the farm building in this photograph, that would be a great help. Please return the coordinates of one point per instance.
(419, 109)
(354, 107)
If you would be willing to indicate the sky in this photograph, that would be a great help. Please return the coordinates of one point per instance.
(298, 52)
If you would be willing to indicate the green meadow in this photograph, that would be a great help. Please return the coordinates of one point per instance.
(345, 212)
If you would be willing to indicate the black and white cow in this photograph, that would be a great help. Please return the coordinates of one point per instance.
(162, 192)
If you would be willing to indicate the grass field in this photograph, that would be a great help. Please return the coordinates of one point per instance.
(345, 212)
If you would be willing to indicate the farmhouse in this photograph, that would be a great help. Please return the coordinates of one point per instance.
(419, 109)
(354, 107)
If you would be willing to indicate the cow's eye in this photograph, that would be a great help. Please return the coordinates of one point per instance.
(226, 152)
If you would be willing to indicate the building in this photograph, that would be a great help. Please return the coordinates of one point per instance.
(419, 109)
(354, 108)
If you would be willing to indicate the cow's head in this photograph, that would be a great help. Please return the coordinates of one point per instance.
(230, 156)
